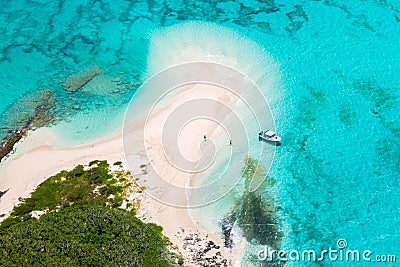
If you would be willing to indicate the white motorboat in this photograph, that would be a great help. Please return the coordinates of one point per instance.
(269, 136)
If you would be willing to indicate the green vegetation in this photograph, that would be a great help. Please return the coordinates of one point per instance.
(80, 185)
(83, 225)
(254, 211)
(143, 167)
(118, 163)
(84, 235)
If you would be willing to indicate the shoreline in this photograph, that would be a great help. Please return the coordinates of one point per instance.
(35, 160)
(171, 219)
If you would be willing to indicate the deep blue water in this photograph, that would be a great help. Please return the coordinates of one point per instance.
(338, 170)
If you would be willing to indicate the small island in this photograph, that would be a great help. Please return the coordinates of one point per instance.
(81, 218)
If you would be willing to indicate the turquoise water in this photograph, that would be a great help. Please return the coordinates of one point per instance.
(337, 172)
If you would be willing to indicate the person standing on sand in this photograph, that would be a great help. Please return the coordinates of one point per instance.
(205, 137)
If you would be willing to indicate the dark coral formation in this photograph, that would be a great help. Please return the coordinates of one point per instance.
(254, 212)
(36, 115)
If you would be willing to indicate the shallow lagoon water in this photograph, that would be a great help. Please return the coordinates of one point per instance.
(337, 172)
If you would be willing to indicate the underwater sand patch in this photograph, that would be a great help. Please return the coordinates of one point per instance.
(101, 85)
(77, 80)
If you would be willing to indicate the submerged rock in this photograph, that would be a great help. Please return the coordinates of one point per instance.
(3, 192)
(226, 231)
(254, 212)
(9, 144)
(35, 115)
(78, 80)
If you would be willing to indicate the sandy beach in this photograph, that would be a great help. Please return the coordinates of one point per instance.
(35, 160)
